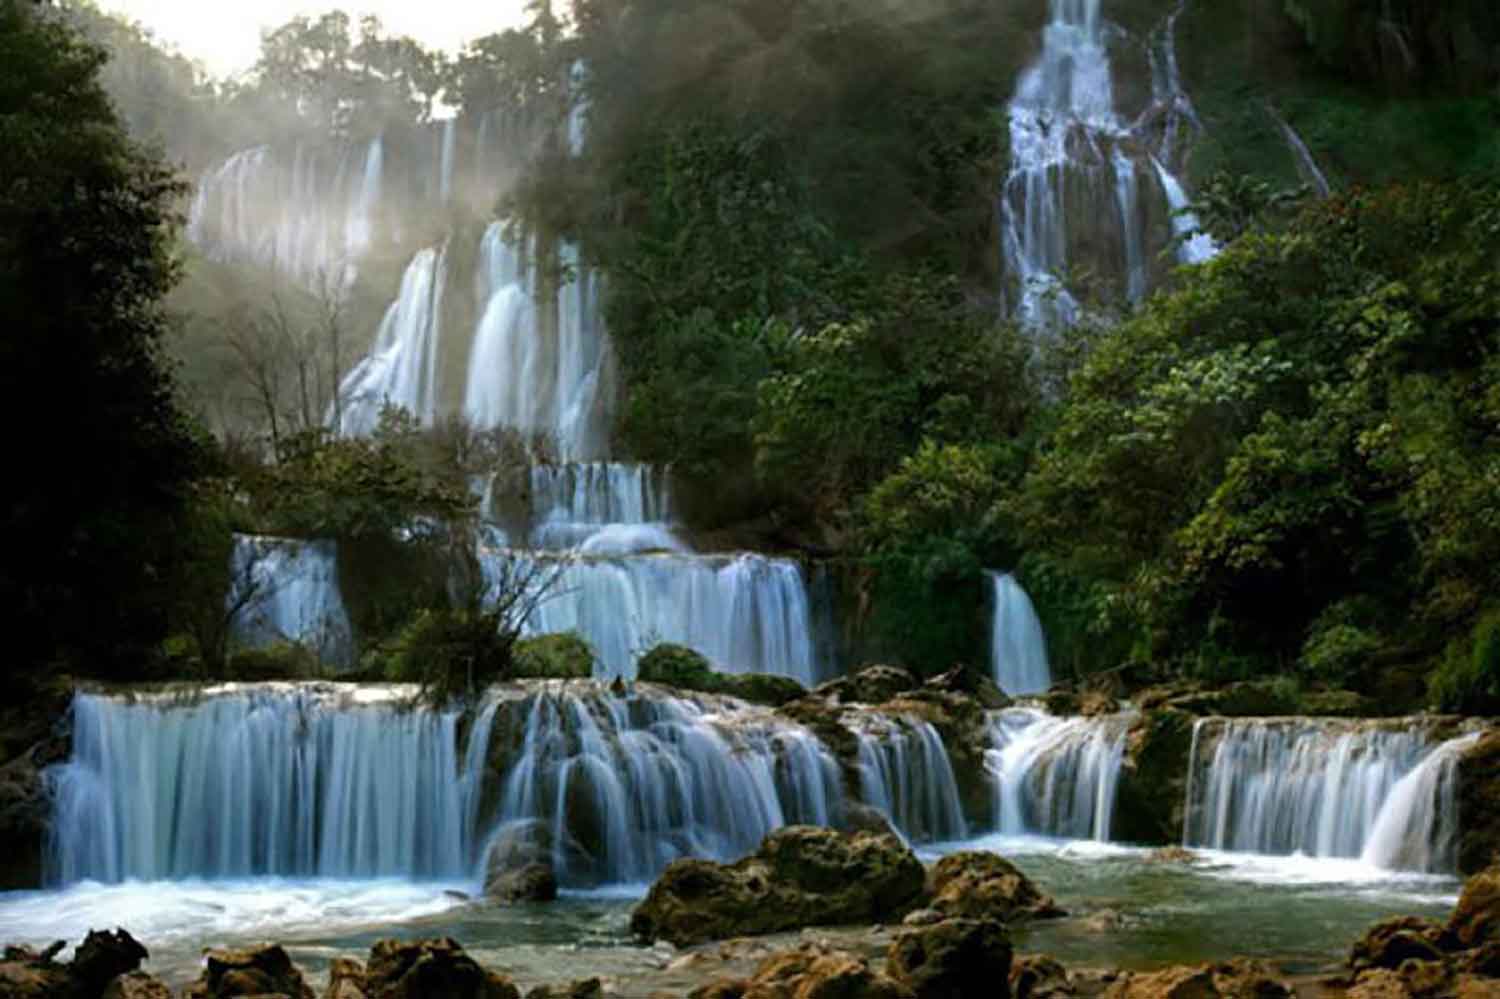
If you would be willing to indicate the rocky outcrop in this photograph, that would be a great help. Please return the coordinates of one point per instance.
(969, 682)
(975, 885)
(1391, 942)
(256, 971)
(1479, 804)
(812, 971)
(1040, 977)
(346, 980)
(420, 969)
(518, 864)
(947, 959)
(583, 988)
(964, 727)
(136, 985)
(871, 685)
(800, 876)
(1476, 919)
(1153, 778)
(1237, 979)
(104, 966)
(25, 808)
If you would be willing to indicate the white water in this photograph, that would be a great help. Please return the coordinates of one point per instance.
(1055, 776)
(1018, 648)
(283, 590)
(1196, 245)
(402, 367)
(281, 780)
(904, 771)
(1324, 788)
(1307, 166)
(625, 785)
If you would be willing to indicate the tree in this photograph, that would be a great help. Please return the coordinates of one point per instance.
(87, 226)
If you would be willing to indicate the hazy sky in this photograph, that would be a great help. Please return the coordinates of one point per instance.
(225, 34)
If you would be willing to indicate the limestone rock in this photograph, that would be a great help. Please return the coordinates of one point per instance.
(978, 885)
(518, 864)
(1479, 804)
(944, 960)
(1390, 942)
(970, 682)
(420, 969)
(871, 685)
(346, 980)
(862, 818)
(814, 972)
(1040, 977)
(1476, 918)
(136, 985)
(25, 974)
(583, 988)
(800, 876)
(256, 971)
(1153, 778)
(1237, 979)
(103, 957)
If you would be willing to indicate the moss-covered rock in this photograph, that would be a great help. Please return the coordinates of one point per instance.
(963, 724)
(800, 876)
(249, 972)
(978, 885)
(870, 685)
(1476, 918)
(1153, 778)
(951, 958)
(419, 969)
(1479, 805)
(1235, 979)
(281, 661)
(561, 656)
(685, 669)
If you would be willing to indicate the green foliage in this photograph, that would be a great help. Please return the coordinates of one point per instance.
(282, 661)
(685, 669)
(1467, 678)
(564, 656)
(452, 653)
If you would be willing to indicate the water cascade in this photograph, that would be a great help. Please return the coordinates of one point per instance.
(270, 780)
(1055, 776)
(1307, 166)
(618, 787)
(1321, 787)
(904, 771)
(1018, 648)
(601, 508)
(282, 590)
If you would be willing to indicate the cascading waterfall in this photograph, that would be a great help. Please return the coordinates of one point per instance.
(1321, 787)
(1194, 246)
(624, 785)
(904, 771)
(402, 367)
(1307, 166)
(601, 508)
(1055, 776)
(267, 780)
(285, 590)
(1018, 648)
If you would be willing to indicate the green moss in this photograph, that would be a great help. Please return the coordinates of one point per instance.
(282, 661)
(681, 667)
(1468, 676)
(562, 656)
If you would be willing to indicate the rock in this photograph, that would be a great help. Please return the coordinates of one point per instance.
(825, 721)
(811, 971)
(945, 960)
(871, 685)
(1479, 804)
(963, 725)
(136, 985)
(1336, 704)
(923, 917)
(1172, 855)
(1379, 983)
(1476, 918)
(1482, 960)
(425, 969)
(346, 979)
(1390, 942)
(1237, 979)
(1093, 703)
(583, 988)
(532, 883)
(800, 876)
(25, 808)
(1153, 778)
(25, 974)
(518, 864)
(1470, 987)
(1104, 921)
(1040, 977)
(862, 818)
(970, 682)
(978, 885)
(255, 971)
(103, 957)
(1061, 701)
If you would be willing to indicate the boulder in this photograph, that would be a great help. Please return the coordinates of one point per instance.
(800, 876)
(136, 985)
(103, 957)
(1040, 977)
(532, 883)
(1476, 918)
(26, 974)
(346, 979)
(255, 971)
(25, 808)
(871, 685)
(1237, 979)
(425, 969)
(583, 988)
(1390, 942)
(970, 682)
(1093, 704)
(812, 971)
(978, 885)
(1153, 778)
(1171, 855)
(859, 817)
(824, 720)
(1479, 804)
(518, 864)
(945, 960)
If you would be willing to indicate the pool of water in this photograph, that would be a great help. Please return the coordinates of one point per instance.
(1126, 909)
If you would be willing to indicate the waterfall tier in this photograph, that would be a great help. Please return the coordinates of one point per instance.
(288, 591)
(1055, 776)
(1323, 787)
(905, 772)
(1018, 648)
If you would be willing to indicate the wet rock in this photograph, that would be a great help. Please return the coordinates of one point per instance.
(1476, 918)
(136, 985)
(25, 807)
(420, 969)
(583, 988)
(1104, 921)
(105, 956)
(945, 960)
(1040, 977)
(1380, 983)
(1237, 979)
(1153, 778)
(1093, 704)
(963, 725)
(824, 721)
(871, 685)
(800, 876)
(346, 980)
(1172, 855)
(977, 885)
(1479, 804)
(813, 971)
(1483, 960)
(923, 917)
(257, 971)
(518, 864)
(532, 883)
(26, 974)
(970, 682)
(866, 819)
(1390, 942)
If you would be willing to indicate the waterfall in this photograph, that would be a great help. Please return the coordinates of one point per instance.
(360, 228)
(283, 590)
(1018, 648)
(625, 785)
(1055, 776)
(445, 160)
(746, 613)
(1196, 246)
(267, 780)
(402, 367)
(904, 771)
(1322, 787)
(1306, 165)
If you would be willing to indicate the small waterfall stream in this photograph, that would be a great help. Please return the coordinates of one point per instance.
(288, 591)
(1055, 776)
(905, 772)
(1018, 647)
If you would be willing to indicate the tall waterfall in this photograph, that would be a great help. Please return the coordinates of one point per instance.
(904, 771)
(310, 215)
(279, 780)
(1055, 776)
(1018, 648)
(283, 590)
(1076, 165)
(1322, 787)
(624, 785)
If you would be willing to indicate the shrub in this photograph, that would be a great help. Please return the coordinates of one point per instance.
(563, 656)
(1467, 679)
(683, 668)
(281, 661)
